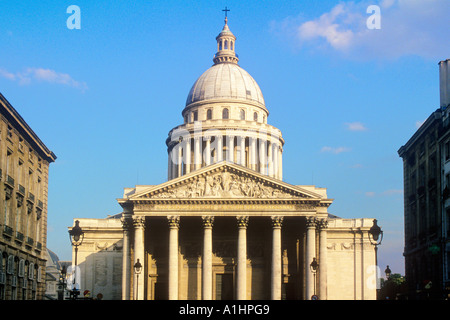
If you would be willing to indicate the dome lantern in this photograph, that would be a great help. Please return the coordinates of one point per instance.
(226, 46)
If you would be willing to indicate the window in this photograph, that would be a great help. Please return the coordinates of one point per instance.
(447, 151)
(242, 114)
(195, 116)
(225, 113)
(255, 116)
(209, 114)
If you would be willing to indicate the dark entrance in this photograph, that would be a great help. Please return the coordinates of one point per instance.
(224, 286)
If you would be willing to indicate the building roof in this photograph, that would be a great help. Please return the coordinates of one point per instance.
(8, 111)
(225, 81)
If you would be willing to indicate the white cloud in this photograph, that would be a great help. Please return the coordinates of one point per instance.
(335, 150)
(355, 126)
(370, 194)
(408, 27)
(30, 75)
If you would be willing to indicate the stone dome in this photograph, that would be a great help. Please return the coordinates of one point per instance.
(226, 81)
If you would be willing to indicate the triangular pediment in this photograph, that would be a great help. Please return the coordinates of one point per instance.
(224, 181)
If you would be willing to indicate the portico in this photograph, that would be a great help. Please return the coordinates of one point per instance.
(223, 231)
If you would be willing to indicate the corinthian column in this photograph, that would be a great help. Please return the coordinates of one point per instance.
(230, 145)
(276, 258)
(310, 254)
(242, 150)
(174, 224)
(219, 147)
(197, 153)
(207, 258)
(126, 262)
(187, 157)
(207, 151)
(139, 225)
(275, 156)
(323, 285)
(252, 152)
(241, 281)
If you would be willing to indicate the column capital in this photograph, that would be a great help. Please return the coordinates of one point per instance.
(277, 221)
(207, 221)
(174, 222)
(127, 223)
(322, 223)
(311, 222)
(242, 221)
(138, 222)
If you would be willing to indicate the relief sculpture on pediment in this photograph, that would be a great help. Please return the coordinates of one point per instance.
(223, 185)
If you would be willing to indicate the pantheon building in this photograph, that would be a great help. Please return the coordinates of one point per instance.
(225, 225)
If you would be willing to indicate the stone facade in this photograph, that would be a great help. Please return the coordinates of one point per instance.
(426, 177)
(24, 167)
(100, 257)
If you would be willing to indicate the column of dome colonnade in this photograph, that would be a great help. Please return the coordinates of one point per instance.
(225, 119)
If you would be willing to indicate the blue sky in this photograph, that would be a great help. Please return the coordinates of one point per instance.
(103, 98)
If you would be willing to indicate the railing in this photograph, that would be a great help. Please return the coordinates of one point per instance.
(19, 236)
(8, 230)
(10, 180)
(30, 241)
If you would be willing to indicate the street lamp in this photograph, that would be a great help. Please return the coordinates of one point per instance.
(76, 238)
(388, 272)
(62, 282)
(137, 271)
(375, 237)
(314, 266)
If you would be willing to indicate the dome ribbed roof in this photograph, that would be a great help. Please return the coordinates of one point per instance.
(225, 81)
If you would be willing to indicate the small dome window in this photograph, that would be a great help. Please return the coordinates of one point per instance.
(209, 114)
(242, 115)
(255, 116)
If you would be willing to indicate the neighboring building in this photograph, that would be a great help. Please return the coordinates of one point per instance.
(24, 167)
(100, 257)
(52, 276)
(426, 171)
(225, 225)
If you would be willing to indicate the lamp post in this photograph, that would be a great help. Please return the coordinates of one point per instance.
(388, 272)
(375, 237)
(76, 238)
(137, 271)
(62, 282)
(314, 267)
